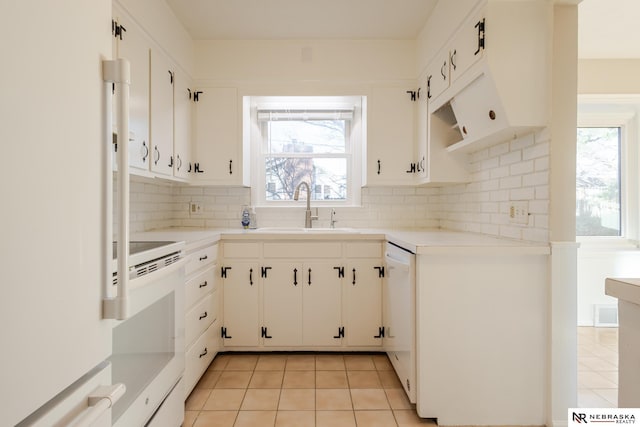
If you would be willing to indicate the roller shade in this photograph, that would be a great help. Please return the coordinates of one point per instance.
(304, 115)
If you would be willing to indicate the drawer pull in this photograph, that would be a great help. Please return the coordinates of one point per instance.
(202, 258)
(204, 353)
(203, 284)
(203, 316)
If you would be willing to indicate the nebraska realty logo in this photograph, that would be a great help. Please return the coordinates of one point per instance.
(581, 416)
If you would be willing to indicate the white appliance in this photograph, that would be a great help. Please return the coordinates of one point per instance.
(400, 315)
(58, 365)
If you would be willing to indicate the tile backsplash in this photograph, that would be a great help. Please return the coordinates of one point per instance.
(515, 170)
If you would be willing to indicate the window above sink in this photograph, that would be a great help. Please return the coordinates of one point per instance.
(313, 139)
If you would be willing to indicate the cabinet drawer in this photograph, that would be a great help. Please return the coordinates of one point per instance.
(199, 286)
(200, 317)
(200, 258)
(241, 250)
(303, 250)
(199, 356)
(363, 250)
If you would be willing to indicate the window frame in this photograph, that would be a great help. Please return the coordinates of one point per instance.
(353, 146)
(610, 112)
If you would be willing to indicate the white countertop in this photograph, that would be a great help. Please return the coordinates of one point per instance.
(623, 289)
(423, 241)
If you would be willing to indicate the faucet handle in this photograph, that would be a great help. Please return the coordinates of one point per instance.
(315, 217)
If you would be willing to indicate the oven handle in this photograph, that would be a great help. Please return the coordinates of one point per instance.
(99, 401)
(117, 74)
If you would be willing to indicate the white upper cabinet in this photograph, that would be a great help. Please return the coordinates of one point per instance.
(130, 43)
(390, 158)
(182, 144)
(467, 45)
(498, 76)
(218, 150)
(435, 165)
(162, 78)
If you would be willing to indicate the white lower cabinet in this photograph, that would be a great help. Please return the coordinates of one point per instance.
(202, 313)
(363, 291)
(301, 305)
(321, 305)
(300, 295)
(241, 306)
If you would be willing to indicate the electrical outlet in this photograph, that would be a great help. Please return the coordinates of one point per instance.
(195, 208)
(519, 212)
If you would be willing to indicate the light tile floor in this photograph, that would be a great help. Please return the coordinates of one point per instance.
(597, 367)
(321, 390)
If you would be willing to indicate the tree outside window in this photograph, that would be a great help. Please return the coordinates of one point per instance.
(598, 177)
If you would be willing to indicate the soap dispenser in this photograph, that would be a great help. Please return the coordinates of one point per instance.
(246, 219)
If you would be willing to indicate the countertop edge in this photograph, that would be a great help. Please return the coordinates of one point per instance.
(419, 241)
(623, 289)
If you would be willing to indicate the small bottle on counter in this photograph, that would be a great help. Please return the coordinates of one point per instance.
(246, 220)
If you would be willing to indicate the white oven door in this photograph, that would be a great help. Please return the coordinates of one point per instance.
(148, 347)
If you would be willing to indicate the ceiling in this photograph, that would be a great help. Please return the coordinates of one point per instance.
(302, 19)
(607, 28)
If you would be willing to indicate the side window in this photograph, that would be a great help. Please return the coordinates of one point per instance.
(598, 181)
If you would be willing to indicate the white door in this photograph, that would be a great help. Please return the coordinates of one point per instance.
(467, 46)
(162, 77)
(241, 304)
(52, 245)
(321, 302)
(183, 100)
(282, 290)
(390, 146)
(364, 301)
(217, 147)
(135, 47)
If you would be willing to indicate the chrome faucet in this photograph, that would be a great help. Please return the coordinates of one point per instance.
(307, 217)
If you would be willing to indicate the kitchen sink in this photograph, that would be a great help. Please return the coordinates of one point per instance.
(319, 230)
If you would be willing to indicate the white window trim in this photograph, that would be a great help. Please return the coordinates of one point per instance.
(354, 171)
(607, 111)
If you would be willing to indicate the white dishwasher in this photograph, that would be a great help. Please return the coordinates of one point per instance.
(400, 315)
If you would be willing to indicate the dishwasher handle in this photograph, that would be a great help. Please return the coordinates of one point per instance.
(99, 401)
(396, 264)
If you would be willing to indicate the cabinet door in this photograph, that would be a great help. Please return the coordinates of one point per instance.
(162, 77)
(438, 74)
(135, 47)
(364, 303)
(467, 46)
(321, 304)
(422, 125)
(241, 304)
(182, 109)
(478, 109)
(390, 140)
(282, 304)
(218, 148)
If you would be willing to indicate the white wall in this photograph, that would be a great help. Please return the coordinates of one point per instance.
(596, 262)
(608, 76)
(516, 170)
(319, 62)
(159, 204)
